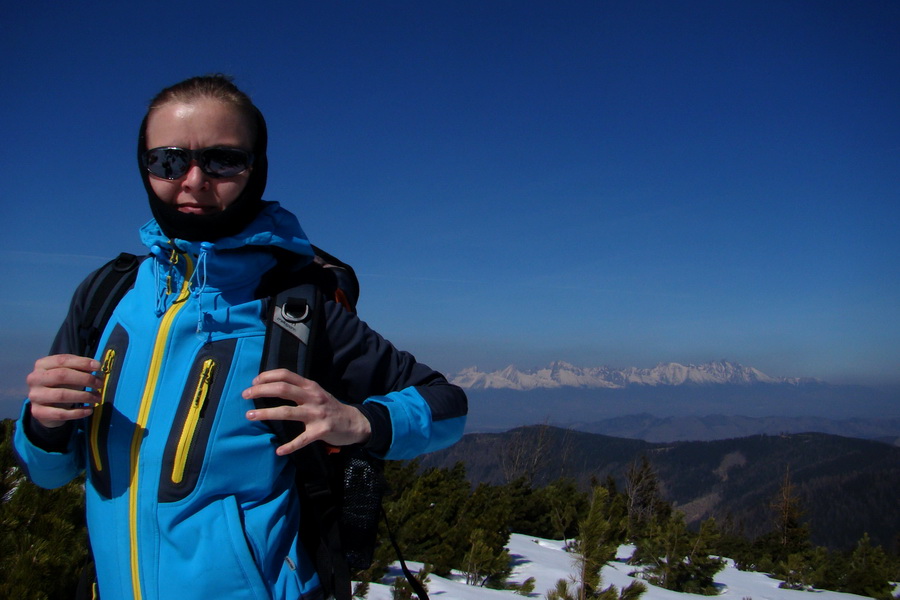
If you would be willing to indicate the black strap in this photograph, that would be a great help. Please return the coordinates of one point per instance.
(320, 528)
(109, 284)
(293, 324)
(106, 289)
(295, 320)
(414, 582)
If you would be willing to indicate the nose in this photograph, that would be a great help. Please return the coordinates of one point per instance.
(195, 178)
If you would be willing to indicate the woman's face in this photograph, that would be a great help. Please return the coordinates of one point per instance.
(198, 124)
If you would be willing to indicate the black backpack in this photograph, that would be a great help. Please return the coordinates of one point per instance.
(340, 489)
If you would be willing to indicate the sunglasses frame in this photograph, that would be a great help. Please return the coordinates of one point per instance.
(198, 157)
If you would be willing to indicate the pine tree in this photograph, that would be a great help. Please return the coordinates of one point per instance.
(440, 521)
(678, 559)
(729, 540)
(563, 503)
(43, 543)
(526, 588)
(401, 590)
(483, 564)
(644, 500)
(797, 573)
(561, 591)
(599, 534)
(425, 516)
(868, 571)
(481, 533)
(792, 534)
(565, 591)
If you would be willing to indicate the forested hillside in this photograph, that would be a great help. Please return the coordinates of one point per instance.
(846, 486)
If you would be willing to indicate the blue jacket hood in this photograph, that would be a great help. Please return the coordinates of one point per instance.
(234, 262)
(273, 227)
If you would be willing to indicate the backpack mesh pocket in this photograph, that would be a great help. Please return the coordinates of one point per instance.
(363, 488)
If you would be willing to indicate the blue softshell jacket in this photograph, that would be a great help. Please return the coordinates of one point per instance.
(186, 498)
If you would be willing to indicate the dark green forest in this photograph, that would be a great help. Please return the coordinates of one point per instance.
(442, 519)
(848, 486)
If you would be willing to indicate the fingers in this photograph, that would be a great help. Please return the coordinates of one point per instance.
(313, 429)
(297, 443)
(71, 361)
(326, 418)
(59, 381)
(287, 385)
(325, 430)
(281, 375)
(55, 415)
(283, 413)
(62, 397)
(64, 371)
(56, 388)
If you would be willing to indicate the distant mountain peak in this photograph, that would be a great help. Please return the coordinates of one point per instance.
(562, 374)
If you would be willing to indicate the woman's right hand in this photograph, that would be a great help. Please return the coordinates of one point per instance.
(56, 388)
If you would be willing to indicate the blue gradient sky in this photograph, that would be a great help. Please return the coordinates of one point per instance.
(618, 183)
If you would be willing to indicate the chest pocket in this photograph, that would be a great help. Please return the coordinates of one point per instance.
(111, 360)
(188, 440)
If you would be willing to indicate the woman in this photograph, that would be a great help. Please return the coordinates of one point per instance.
(201, 503)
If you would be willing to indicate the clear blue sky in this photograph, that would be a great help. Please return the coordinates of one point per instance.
(606, 183)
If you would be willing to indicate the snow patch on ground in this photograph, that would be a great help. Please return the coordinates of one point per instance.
(547, 561)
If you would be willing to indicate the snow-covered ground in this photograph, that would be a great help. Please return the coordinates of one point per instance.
(547, 562)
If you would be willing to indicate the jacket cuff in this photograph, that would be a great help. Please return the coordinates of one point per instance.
(48, 439)
(382, 431)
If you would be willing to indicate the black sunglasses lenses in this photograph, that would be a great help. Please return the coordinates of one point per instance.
(224, 162)
(173, 163)
(168, 163)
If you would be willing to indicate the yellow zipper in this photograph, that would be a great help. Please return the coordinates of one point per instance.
(159, 346)
(109, 359)
(193, 418)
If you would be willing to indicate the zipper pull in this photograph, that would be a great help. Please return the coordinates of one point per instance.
(204, 383)
(105, 371)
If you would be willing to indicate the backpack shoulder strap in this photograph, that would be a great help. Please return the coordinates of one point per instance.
(335, 540)
(107, 287)
(293, 324)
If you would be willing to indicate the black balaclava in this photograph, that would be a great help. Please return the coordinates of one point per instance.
(232, 220)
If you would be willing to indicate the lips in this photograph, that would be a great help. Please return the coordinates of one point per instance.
(197, 209)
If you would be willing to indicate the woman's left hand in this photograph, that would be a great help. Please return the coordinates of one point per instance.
(325, 417)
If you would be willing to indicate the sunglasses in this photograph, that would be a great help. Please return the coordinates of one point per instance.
(217, 161)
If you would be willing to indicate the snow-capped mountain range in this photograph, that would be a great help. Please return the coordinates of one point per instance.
(562, 374)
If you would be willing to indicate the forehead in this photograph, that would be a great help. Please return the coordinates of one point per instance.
(199, 123)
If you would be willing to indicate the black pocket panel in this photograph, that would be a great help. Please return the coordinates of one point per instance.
(189, 436)
(111, 359)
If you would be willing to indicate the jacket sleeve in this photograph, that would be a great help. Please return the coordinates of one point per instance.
(53, 457)
(413, 408)
(49, 461)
